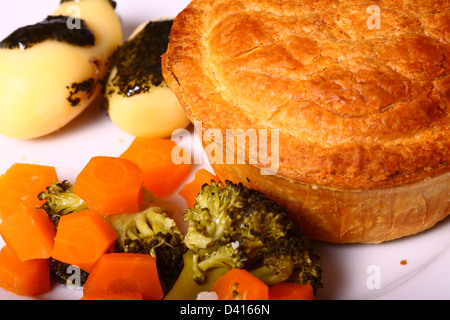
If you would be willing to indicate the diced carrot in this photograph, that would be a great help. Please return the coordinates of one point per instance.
(29, 233)
(21, 184)
(154, 156)
(117, 273)
(27, 278)
(113, 296)
(239, 284)
(291, 291)
(8, 206)
(190, 190)
(110, 185)
(82, 238)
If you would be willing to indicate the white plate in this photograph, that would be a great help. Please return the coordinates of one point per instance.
(349, 271)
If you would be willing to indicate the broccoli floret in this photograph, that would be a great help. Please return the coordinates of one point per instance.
(60, 201)
(232, 226)
(151, 232)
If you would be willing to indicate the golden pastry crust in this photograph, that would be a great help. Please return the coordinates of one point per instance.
(352, 216)
(358, 109)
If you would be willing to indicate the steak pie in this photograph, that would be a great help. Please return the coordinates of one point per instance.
(356, 98)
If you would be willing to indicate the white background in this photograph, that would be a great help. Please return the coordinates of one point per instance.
(346, 268)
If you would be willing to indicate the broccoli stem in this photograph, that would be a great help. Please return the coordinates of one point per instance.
(186, 288)
(270, 276)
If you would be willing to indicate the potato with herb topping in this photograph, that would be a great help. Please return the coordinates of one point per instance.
(137, 98)
(51, 71)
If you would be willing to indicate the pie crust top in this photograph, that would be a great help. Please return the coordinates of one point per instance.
(359, 90)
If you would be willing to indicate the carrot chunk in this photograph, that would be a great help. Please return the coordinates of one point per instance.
(291, 291)
(21, 184)
(190, 190)
(239, 284)
(27, 278)
(82, 238)
(29, 233)
(110, 185)
(118, 273)
(154, 156)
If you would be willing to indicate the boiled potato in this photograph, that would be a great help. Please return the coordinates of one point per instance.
(138, 99)
(47, 84)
